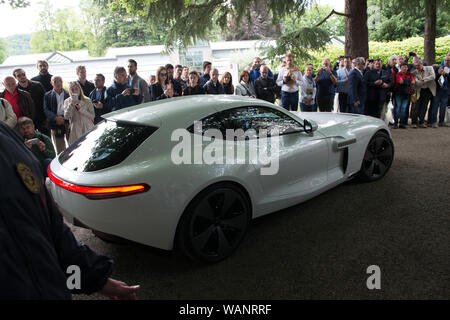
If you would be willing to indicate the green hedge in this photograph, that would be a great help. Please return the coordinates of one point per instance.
(384, 50)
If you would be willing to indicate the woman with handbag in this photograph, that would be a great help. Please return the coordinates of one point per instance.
(403, 91)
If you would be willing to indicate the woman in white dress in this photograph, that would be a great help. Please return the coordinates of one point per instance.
(245, 87)
(79, 110)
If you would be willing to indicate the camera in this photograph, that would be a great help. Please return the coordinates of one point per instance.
(412, 54)
(33, 141)
(288, 78)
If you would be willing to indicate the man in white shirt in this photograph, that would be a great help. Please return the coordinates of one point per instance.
(342, 84)
(290, 79)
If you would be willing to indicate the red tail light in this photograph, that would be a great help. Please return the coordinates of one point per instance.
(96, 193)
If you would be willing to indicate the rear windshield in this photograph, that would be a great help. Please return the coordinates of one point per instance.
(108, 144)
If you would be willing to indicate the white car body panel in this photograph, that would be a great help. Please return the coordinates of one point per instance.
(309, 165)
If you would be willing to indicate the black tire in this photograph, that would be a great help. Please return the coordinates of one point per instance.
(378, 157)
(214, 223)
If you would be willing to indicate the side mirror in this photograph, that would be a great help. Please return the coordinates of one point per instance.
(309, 127)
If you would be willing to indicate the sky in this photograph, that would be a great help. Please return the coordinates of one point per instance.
(23, 21)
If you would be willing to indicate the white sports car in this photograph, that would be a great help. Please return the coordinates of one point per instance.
(155, 175)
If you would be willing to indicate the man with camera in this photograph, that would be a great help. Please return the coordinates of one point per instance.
(120, 95)
(98, 98)
(290, 79)
(255, 71)
(378, 82)
(325, 81)
(39, 144)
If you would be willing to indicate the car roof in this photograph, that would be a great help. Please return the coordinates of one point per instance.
(181, 110)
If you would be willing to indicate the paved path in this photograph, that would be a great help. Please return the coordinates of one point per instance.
(321, 249)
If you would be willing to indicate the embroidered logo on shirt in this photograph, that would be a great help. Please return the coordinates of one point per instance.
(29, 179)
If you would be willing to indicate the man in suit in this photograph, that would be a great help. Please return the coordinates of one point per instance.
(378, 82)
(425, 91)
(54, 111)
(357, 87)
(135, 81)
(98, 98)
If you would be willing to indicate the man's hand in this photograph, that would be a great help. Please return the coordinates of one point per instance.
(169, 92)
(28, 143)
(401, 81)
(98, 105)
(384, 86)
(135, 92)
(126, 92)
(357, 103)
(118, 290)
(378, 82)
(346, 79)
(41, 146)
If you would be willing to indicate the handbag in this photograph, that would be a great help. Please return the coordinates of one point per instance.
(413, 98)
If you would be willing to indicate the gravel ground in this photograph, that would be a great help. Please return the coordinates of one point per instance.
(321, 249)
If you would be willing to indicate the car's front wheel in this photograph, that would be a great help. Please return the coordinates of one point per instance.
(214, 223)
(377, 158)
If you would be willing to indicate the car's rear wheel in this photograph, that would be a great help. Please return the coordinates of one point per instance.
(377, 158)
(214, 223)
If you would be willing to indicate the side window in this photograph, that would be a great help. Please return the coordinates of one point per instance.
(246, 118)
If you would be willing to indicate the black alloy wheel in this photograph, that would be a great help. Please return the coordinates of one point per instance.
(378, 157)
(214, 224)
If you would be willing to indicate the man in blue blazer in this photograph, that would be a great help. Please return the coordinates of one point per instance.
(54, 111)
(357, 88)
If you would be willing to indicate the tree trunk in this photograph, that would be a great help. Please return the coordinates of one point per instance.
(356, 31)
(430, 32)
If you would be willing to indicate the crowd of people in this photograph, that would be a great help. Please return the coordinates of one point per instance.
(40, 108)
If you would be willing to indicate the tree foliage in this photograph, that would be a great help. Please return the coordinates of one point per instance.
(16, 3)
(334, 25)
(58, 30)
(404, 19)
(18, 44)
(3, 50)
(191, 20)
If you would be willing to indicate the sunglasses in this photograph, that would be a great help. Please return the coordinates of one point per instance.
(20, 74)
(163, 74)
